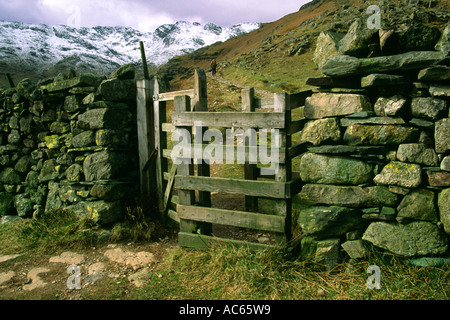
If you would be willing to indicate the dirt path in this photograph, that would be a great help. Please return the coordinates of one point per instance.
(109, 271)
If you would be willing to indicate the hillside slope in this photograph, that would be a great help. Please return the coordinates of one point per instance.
(278, 55)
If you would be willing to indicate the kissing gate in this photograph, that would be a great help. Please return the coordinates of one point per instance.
(177, 182)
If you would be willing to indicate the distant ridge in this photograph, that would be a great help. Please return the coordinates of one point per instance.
(42, 50)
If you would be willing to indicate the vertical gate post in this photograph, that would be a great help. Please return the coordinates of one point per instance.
(284, 171)
(144, 60)
(146, 144)
(200, 101)
(250, 170)
(185, 168)
(200, 104)
(159, 111)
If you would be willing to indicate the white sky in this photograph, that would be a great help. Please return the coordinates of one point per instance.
(145, 15)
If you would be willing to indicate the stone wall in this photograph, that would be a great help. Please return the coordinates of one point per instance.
(69, 142)
(377, 168)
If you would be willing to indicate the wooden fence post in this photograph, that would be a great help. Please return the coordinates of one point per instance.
(10, 80)
(200, 104)
(146, 144)
(144, 60)
(185, 168)
(200, 101)
(250, 170)
(284, 171)
(159, 110)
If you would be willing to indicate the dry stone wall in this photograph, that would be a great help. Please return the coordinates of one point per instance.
(69, 142)
(377, 168)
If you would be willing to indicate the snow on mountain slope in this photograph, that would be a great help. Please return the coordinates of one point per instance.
(37, 48)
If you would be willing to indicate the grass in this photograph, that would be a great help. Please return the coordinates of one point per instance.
(61, 229)
(224, 272)
(281, 74)
(230, 273)
(44, 234)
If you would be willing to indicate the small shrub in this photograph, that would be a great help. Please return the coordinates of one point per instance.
(136, 226)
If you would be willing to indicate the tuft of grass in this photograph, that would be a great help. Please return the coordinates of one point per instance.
(230, 273)
(136, 226)
(47, 232)
(62, 229)
(9, 237)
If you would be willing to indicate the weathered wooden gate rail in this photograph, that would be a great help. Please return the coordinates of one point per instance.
(196, 216)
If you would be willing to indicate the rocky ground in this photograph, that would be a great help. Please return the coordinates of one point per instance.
(110, 271)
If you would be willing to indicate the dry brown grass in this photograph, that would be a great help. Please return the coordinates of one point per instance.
(237, 274)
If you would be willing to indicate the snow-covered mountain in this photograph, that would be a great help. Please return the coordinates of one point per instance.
(37, 48)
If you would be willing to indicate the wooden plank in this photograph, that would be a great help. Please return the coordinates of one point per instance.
(172, 203)
(170, 96)
(297, 100)
(167, 127)
(298, 149)
(172, 214)
(248, 99)
(10, 80)
(263, 103)
(297, 125)
(282, 106)
(159, 113)
(146, 141)
(273, 120)
(169, 188)
(200, 104)
(268, 173)
(144, 124)
(284, 172)
(269, 189)
(175, 200)
(200, 100)
(198, 241)
(232, 218)
(250, 170)
(295, 186)
(239, 152)
(186, 197)
(144, 61)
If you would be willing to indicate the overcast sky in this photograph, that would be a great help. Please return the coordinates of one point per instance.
(145, 15)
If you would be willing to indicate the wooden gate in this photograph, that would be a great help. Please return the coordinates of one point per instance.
(152, 127)
(183, 192)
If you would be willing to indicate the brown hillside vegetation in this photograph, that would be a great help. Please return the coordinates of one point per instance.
(278, 55)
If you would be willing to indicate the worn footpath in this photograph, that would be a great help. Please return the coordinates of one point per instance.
(110, 271)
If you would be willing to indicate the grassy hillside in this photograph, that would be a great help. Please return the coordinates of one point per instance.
(278, 56)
